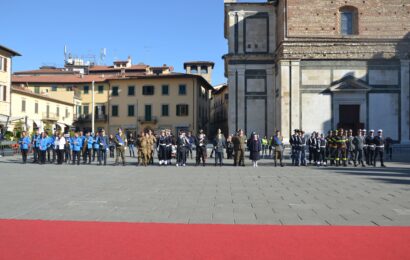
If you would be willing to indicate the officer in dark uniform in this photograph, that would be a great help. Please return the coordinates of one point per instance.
(202, 141)
(379, 142)
(296, 143)
(371, 148)
(35, 145)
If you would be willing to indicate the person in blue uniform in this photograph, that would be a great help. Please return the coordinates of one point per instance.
(35, 145)
(103, 147)
(24, 143)
(44, 146)
(77, 143)
(96, 146)
(88, 147)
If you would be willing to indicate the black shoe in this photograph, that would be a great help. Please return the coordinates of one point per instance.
(384, 166)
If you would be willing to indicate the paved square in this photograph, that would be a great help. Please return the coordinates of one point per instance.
(228, 195)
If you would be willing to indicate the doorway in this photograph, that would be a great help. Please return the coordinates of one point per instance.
(349, 117)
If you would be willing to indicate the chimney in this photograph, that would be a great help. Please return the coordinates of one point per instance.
(129, 62)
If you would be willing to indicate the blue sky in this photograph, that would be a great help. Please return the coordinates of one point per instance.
(154, 32)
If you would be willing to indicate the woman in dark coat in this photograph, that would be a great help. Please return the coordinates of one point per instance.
(255, 147)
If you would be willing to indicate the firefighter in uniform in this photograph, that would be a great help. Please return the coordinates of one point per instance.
(341, 149)
(333, 148)
(379, 142)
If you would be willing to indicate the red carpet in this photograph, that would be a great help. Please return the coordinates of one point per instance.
(93, 240)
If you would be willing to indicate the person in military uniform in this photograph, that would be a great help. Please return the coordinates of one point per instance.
(312, 146)
(162, 148)
(379, 142)
(24, 143)
(152, 140)
(219, 146)
(322, 143)
(120, 141)
(371, 148)
(358, 142)
(143, 149)
(296, 143)
(341, 140)
(201, 152)
(239, 146)
(350, 147)
(278, 147)
(333, 142)
(35, 145)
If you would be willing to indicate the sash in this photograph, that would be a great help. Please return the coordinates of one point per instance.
(119, 139)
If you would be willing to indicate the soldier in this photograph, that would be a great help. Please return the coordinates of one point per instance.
(358, 144)
(24, 143)
(295, 142)
(322, 143)
(162, 148)
(77, 142)
(312, 145)
(151, 142)
(379, 142)
(35, 145)
(371, 148)
(120, 141)
(143, 148)
(350, 147)
(277, 145)
(103, 143)
(201, 152)
(219, 145)
(239, 145)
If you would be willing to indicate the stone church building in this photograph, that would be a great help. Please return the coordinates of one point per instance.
(318, 65)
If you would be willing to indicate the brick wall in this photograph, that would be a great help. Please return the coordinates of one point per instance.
(320, 18)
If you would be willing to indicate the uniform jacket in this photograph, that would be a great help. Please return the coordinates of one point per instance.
(219, 143)
(24, 143)
(120, 140)
(358, 142)
(239, 142)
(77, 143)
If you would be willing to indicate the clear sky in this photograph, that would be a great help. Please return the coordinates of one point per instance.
(155, 32)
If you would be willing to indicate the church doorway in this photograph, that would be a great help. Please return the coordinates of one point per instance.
(349, 117)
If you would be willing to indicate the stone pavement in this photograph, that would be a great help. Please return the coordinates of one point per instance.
(225, 195)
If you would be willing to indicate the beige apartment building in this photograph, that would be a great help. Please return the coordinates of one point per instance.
(134, 97)
(40, 110)
(6, 56)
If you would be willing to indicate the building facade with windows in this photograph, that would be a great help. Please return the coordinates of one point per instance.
(134, 97)
(319, 65)
(219, 109)
(6, 56)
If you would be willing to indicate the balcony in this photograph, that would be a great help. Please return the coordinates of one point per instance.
(147, 119)
(87, 118)
(50, 117)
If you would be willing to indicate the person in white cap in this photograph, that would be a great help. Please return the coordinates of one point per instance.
(371, 148)
(365, 146)
(379, 142)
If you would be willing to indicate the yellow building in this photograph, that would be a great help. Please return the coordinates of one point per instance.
(134, 97)
(40, 110)
(6, 55)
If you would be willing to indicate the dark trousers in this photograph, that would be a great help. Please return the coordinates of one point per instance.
(43, 156)
(87, 153)
(35, 154)
(219, 155)
(182, 152)
(24, 154)
(311, 154)
(278, 155)
(378, 153)
(60, 156)
(67, 155)
(370, 157)
(55, 155)
(358, 157)
(201, 155)
(102, 156)
(322, 155)
(76, 156)
(49, 154)
(112, 151)
(95, 153)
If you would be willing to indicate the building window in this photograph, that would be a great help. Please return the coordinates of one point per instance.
(165, 110)
(226, 96)
(131, 110)
(165, 90)
(4, 97)
(37, 89)
(204, 70)
(86, 90)
(131, 90)
(36, 108)
(182, 110)
(114, 110)
(100, 89)
(182, 90)
(1, 63)
(23, 106)
(148, 90)
(66, 112)
(348, 20)
(58, 112)
(114, 91)
(53, 88)
(86, 109)
(194, 70)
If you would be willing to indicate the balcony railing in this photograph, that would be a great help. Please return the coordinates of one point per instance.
(147, 119)
(87, 117)
(50, 117)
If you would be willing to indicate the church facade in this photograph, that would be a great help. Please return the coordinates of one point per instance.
(319, 65)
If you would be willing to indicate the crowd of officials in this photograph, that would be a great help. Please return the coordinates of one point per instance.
(338, 148)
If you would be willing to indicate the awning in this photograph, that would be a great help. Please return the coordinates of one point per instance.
(61, 125)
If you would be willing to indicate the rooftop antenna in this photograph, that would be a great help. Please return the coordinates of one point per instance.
(65, 53)
(103, 55)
